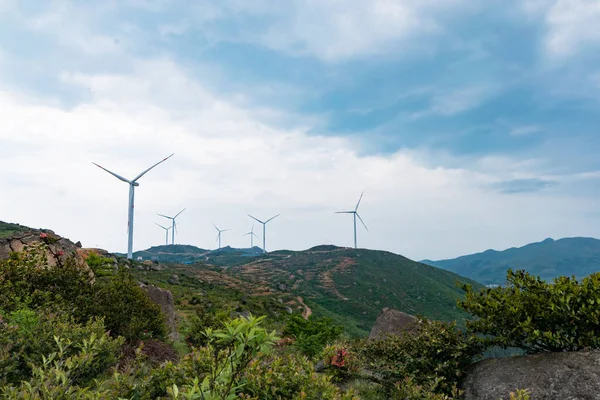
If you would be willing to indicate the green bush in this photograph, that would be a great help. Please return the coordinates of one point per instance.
(29, 336)
(311, 335)
(537, 316)
(126, 308)
(27, 280)
(203, 320)
(435, 355)
(291, 376)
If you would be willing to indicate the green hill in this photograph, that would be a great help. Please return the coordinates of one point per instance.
(7, 229)
(351, 286)
(549, 259)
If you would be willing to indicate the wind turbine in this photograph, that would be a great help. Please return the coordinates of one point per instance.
(264, 224)
(252, 235)
(219, 234)
(166, 234)
(174, 226)
(355, 212)
(132, 184)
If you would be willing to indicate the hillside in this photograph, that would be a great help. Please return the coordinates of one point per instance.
(549, 259)
(7, 229)
(186, 254)
(351, 286)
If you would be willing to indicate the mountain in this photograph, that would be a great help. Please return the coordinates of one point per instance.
(348, 285)
(548, 259)
(186, 254)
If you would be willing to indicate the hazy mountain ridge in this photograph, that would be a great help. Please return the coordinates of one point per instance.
(579, 256)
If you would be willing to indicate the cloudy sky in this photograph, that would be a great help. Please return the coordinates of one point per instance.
(468, 124)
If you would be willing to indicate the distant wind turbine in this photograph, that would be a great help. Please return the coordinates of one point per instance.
(264, 224)
(166, 234)
(174, 226)
(219, 234)
(132, 184)
(252, 235)
(355, 213)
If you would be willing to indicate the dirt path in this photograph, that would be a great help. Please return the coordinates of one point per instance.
(307, 311)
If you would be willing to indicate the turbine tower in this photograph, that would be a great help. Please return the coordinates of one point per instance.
(219, 234)
(174, 226)
(166, 234)
(355, 213)
(252, 235)
(264, 224)
(132, 184)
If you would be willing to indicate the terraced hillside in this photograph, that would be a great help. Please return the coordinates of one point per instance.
(351, 286)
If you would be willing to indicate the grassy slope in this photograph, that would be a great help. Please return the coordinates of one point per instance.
(7, 229)
(548, 259)
(350, 286)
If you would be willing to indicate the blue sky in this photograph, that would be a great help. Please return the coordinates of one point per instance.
(469, 124)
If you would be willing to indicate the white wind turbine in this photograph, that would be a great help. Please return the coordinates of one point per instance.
(355, 213)
(132, 184)
(174, 226)
(264, 224)
(252, 235)
(219, 234)
(166, 233)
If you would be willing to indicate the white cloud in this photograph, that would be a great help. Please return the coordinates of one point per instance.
(572, 25)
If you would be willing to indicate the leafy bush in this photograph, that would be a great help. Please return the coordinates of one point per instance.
(537, 316)
(29, 337)
(408, 389)
(102, 266)
(290, 376)
(311, 335)
(27, 280)
(126, 308)
(436, 355)
(204, 319)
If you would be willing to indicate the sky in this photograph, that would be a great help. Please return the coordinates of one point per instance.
(468, 124)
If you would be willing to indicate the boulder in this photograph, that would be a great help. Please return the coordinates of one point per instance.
(392, 322)
(174, 280)
(567, 376)
(164, 299)
(58, 249)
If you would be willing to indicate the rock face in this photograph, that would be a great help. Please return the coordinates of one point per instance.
(59, 248)
(164, 299)
(392, 322)
(566, 376)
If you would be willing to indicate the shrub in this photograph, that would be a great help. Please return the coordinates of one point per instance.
(126, 308)
(435, 355)
(31, 336)
(311, 335)
(203, 320)
(291, 376)
(537, 316)
(408, 389)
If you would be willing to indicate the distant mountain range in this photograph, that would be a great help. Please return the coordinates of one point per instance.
(549, 259)
(187, 254)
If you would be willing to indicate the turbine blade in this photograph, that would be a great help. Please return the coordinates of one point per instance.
(161, 226)
(225, 230)
(112, 173)
(357, 204)
(344, 212)
(363, 222)
(164, 216)
(272, 218)
(144, 173)
(256, 219)
(180, 212)
(215, 226)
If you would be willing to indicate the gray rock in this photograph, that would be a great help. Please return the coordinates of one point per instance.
(392, 322)
(565, 376)
(288, 309)
(164, 299)
(174, 280)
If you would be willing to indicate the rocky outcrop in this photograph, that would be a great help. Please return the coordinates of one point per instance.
(164, 299)
(566, 376)
(58, 249)
(392, 322)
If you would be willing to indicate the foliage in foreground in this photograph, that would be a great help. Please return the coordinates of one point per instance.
(535, 315)
(311, 335)
(28, 280)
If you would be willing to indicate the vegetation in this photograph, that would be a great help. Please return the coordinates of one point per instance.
(537, 316)
(7, 229)
(64, 335)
